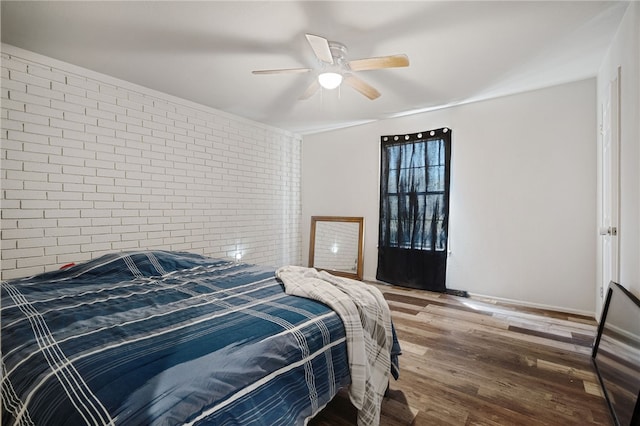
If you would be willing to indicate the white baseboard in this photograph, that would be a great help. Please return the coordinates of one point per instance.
(511, 301)
(535, 305)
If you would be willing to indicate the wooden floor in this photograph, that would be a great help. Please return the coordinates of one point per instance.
(471, 361)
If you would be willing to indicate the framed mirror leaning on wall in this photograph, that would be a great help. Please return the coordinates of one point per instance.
(336, 245)
(616, 355)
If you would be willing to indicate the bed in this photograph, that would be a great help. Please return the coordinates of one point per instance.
(164, 338)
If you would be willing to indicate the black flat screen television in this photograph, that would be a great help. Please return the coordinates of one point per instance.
(616, 355)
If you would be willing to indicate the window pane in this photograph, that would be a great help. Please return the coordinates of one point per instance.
(435, 152)
(442, 236)
(418, 158)
(393, 235)
(403, 183)
(414, 206)
(392, 186)
(436, 178)
(393, 153)
(405, 152)
(393, 207)
(419, 181)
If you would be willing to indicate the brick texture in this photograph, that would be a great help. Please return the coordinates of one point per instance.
(92, 164)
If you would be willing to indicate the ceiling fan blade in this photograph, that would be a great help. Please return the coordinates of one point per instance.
(283, 71)
(320, 46)
(311, 90)
(362, 87)
(392, 61)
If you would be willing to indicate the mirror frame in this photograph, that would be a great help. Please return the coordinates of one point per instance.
(347, 219)
(604, 375)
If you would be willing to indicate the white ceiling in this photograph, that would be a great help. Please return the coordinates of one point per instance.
(204, 51)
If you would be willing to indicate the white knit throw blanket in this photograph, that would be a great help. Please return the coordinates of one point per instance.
(367, 322)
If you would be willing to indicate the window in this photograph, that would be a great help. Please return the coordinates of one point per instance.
(414, 193)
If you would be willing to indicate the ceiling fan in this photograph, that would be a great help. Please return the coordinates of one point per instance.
(335, 68)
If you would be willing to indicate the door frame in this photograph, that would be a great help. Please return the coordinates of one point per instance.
(609, 227)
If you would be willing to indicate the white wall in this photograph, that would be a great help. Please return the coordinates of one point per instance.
(523, 194)
(92, 164)
(625, 53)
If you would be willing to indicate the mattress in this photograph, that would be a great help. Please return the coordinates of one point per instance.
(163, 338)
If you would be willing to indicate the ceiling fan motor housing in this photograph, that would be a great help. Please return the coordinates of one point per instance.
(339, 54)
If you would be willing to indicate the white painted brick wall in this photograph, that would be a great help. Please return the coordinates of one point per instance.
(91, 164)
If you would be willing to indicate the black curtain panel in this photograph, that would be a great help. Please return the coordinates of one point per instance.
(414, 209)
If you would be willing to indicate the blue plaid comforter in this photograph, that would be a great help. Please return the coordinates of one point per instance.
(161, 338)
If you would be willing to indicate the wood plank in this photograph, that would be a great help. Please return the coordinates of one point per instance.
(477, 361)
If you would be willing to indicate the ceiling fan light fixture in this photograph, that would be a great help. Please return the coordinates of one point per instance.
(330, 80)
(334, 68)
